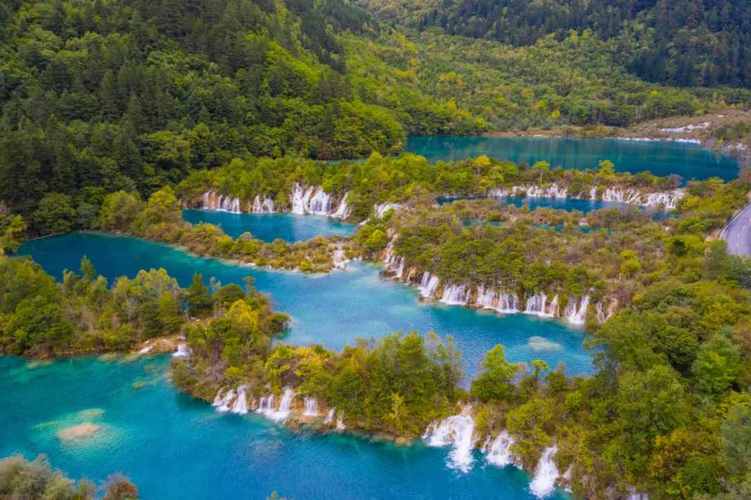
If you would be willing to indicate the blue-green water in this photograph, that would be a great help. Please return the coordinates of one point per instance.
(568, 204)
(332, 309)
(268, 227)
(690, 161)
(175, 447)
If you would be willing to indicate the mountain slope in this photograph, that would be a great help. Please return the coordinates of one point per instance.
(678, 42)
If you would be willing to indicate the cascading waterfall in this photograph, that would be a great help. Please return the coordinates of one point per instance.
(576, 310)
(499, 301)
(342, 211)
(223, 402)
(538, 305)
(240, 406)
(667, 199)
(262, 206)
(183, 351)
(311, 407)
(457, 295)
(267, 409)
(330, 416)
(546, 474)
(339, 257)
(380, 210)
(457, 431)
(320, 202)
(428, 285)
(340, 424)
(498, 451)
(314, 200)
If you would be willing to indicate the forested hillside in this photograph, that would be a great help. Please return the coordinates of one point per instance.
(99, 96)
(679, 42)
(105, 95)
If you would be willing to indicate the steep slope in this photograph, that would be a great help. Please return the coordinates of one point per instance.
(680, 42)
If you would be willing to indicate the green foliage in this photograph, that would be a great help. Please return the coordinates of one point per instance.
(686, 42)
(12, 230)
(20, 478)
(495, 382)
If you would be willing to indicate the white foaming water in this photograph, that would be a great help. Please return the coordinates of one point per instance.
(240, 406)
(499, 301)
(343, 210)
(223, 402)
(262, 206)
(576, 310)
(538, 305)
(311, 407)
(183, 351)
(267, 409)
(456, 295)
(457, 431)
(546, 474)
(498, 451)
(428, 285)
(330, 416)
(320, 202)
(380, 210)
(214, 201)
(340, 424)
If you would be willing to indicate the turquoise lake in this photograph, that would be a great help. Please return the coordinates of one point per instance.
(690, 161)
(268, 227)
(175, 447)
(333, 309)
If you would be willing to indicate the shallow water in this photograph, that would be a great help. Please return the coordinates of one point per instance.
(268, 227)
(690, 161)
(175, 447)
(333, 309)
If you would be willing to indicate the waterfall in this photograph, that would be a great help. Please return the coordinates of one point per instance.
(240, 405)
(311, 407)
(455, 295)
(428, 285)
(380, 210)
(498, 451)
(457, 431)
(340, 258)
(183, 351)
(546, 474)
(330, 416)
(340, 424)
(262, 206)
(668, 200)
(576, 310)
(602, 314)
(538, 305)
(316, 201)
(298, 200)
(320, 202)
(211, 200)
(342, 211)
(223, 403)
(286, 402)
(266, 406)
(552, 191)
(499, 301)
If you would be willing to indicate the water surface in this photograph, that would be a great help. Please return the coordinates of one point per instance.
(690, 161)
(175, 447)
(268, 227)
(333, 309)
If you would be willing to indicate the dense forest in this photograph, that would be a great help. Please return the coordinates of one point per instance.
(21, 478)
(101, 96)
(685, 42)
